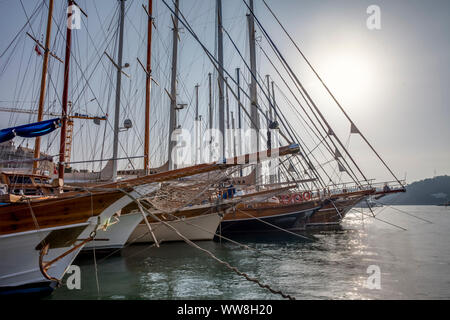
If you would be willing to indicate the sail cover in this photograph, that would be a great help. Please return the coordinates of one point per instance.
(31, 130)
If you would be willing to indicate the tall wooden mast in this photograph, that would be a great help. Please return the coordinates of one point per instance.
(147, 88)
(221, 79)
(62, 144)
(37, 143)
(239, 113)
(253, 86)
(197, 127)
(210, 106)
(118, 89)
(173, 89)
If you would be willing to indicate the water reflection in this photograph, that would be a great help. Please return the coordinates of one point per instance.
(413, 264)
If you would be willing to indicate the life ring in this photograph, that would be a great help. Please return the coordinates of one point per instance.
(297, 197)
(306, 195)
(285, 198)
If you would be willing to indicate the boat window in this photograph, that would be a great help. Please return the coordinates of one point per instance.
(37, 180)
(30, 192)
(20, 180)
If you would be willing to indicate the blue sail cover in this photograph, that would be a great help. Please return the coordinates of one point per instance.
(31, 130)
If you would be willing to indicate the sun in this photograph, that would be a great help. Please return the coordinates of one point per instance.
(349, 74)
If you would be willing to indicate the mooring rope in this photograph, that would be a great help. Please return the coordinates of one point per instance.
(234, 269)
(402, 211)
(376, 218)
(223, 237)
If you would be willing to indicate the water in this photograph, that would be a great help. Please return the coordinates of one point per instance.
(414, 264)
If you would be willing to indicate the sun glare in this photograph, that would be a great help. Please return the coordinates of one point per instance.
(349, 75)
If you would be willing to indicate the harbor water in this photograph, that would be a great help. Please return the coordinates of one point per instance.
(337, 264)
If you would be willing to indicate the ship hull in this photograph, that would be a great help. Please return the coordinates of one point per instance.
(332, 214)
(50, 222)
(19, 267)
(259, 220)
(202, 227)
(116, 235)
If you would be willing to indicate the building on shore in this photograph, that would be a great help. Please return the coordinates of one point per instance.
(20, 158)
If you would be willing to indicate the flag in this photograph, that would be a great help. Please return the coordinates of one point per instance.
(291, 168)
(341, 167)
(337, 154)
(353, 128)
(330, 132)
(36, 48)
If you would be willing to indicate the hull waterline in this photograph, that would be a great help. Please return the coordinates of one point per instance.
(196, 228)
(292, 219)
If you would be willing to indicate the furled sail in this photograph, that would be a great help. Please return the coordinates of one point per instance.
(31, 130)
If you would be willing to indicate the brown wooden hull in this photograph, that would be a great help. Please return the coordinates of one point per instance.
(60, 211)
(221, 208)
(333, 213)
(265, 217)
(266, 209)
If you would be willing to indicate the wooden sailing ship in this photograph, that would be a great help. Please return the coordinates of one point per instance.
(257, 218)
(58, 225)
(53, 222)
(198, 221)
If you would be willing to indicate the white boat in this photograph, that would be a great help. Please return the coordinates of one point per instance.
(19, 268)
(116, 235)
(201, 227)
(20, 252)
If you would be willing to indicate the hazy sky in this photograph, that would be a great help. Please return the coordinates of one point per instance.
(393, 82)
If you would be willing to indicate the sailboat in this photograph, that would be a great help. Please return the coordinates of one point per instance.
(41, 235)
(198, 221)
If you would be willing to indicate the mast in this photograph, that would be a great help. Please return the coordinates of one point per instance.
(268, 98)
(353, 126)
(148, 88)
(253, 93)
(62, 143)
(239, 113)
(173, 90)
(228, 137)
(220, 75)
(210, 101)
(197, 125)
(118, 88)
(37, 143)
(269, 116)
(233, 126)
(274, 103)
(269, 125)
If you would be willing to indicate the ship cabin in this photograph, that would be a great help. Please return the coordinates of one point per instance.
(26, 184)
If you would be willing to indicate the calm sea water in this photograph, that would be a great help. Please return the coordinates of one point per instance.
(414, 264)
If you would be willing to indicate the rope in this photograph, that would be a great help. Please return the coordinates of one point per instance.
(234, 269)
(402, 211)
(384, 221)
(329, 91)
(199, 227)
(95, 256)
(311, 104)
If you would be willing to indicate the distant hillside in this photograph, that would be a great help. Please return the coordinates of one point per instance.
(425, 192)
